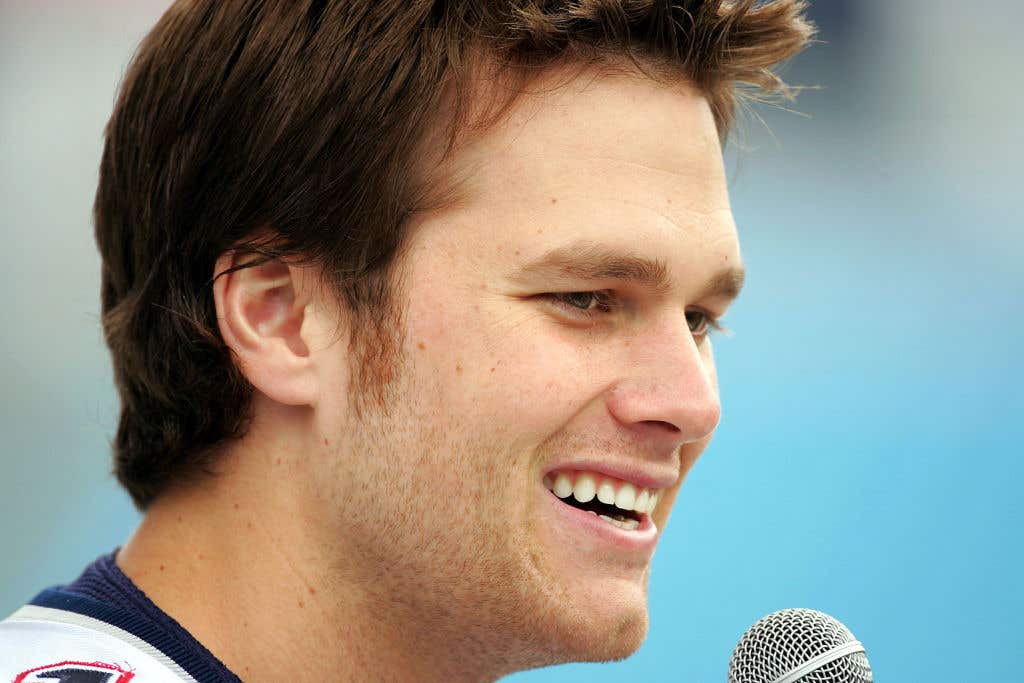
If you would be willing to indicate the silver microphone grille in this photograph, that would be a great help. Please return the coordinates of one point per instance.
(799, 645)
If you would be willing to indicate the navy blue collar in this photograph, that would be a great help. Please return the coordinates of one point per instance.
(104, 592)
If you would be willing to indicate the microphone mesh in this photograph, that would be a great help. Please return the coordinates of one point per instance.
(782, 641)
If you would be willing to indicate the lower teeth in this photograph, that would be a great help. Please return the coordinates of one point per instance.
(627, 524)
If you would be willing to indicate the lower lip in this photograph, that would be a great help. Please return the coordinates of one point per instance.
(639, 540)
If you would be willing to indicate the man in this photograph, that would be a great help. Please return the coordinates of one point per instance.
(409, 308)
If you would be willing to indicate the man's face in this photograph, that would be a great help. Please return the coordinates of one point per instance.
(505, 390)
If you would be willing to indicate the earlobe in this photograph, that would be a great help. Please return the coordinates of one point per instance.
(261, 312)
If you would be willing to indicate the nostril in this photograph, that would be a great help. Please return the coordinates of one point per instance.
(661, 423)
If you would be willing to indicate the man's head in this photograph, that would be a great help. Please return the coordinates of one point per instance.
(440, 258)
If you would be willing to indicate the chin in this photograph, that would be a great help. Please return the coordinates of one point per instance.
(621, 641)
(613, 631)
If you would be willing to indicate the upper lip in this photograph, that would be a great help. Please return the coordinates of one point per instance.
(640, 473)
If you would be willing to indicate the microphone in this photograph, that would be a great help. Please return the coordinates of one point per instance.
(802, 645)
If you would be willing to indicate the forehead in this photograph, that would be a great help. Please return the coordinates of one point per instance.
(600, 117)
(617, 159)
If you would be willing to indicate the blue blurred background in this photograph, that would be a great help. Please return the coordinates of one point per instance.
(868, 463)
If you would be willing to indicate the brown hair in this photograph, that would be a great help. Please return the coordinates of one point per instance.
(306, 117)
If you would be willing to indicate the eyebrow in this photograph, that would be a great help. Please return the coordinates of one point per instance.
(587, 260)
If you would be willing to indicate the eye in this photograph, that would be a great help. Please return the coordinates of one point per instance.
(582, 301)
(591, 304)
(584, 304)
(702, 322)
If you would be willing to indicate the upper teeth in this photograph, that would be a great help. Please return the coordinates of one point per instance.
(583, 486)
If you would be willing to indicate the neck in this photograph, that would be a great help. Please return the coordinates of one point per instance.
(242, 562)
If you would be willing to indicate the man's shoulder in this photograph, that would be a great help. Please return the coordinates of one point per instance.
(75, 639)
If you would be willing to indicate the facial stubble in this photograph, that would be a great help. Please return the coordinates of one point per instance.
(451, 568)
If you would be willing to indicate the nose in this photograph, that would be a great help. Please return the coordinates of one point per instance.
(670, 391)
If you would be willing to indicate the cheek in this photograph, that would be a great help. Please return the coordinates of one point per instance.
(498, 369)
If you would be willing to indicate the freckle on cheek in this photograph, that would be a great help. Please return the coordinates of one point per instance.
(421, 346)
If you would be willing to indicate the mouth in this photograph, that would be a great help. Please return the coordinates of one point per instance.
(615, 502)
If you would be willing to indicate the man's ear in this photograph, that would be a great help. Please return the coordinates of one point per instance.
(262, 312)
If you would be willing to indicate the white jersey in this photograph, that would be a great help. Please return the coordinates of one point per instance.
(60, 642)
